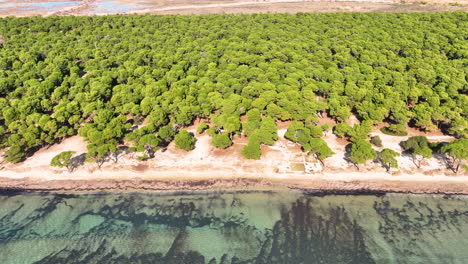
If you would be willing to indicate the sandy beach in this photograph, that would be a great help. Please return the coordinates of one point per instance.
(281, 166)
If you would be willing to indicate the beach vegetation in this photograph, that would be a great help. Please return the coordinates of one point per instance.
(319, 148)
(376, 141)
(15, 154)
(456, 152)
(100, 153)
(202, 127)
(361, 152)
(342, 129)
(185, 140)
(148, 144)
(252, 150)
(419, 148)
(63, 160)
(388, 158)
(221, 141)
(395, 130)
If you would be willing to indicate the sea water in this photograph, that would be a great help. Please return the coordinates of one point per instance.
(232, 227)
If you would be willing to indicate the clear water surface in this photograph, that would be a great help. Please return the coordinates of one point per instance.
(232, 227)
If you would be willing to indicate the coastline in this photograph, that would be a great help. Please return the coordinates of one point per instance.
(366, 183)
(208, 168)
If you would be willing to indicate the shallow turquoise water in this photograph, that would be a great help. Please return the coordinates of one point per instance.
(232, 227)
(115, 7)
(37, 4)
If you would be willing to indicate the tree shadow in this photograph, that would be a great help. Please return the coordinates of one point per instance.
(77, 161)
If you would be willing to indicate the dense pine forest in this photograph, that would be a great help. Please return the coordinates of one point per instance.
(142, 79)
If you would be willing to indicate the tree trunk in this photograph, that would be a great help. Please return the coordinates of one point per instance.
(417, 162)
(321, 161)
(355, 165)
(116, 156)
(99, 162)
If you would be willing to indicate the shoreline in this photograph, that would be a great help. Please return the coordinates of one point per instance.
(320, 184)
(208, 168)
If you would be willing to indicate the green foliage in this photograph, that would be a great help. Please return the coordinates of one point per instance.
(376, 141)
(319, 148)
(99, 76)
(395, 130)
(148, 143)
(465, 168)
(298, 133)
(15, 154)
(342, 129)
(253, 122)
(459, 127)
(268, 132)
(211, 131)
(167, 133)
(455, 153)
(325, 128)
(185, 140)
(359, 132)
(142, 157)
(63, 159)
(252, 150)
(414, 143)
(260, 131)
(221, 141)
(387, 157)
(202, 127)
(420, 154)
(100, 153)
(315, 131)
(361, 152)
(419, 149)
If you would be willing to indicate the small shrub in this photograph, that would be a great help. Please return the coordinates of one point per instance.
(185, 140)
(221, 141)
(376, 141)
(142, 158)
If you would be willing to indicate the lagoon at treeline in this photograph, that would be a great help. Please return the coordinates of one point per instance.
(232, 227)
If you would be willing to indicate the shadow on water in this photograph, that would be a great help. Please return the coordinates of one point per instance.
(230, 228)
(300, 236)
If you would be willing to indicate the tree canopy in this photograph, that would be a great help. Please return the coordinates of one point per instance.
(456, 152)
(221, 141)
(418, 147)
(63, 159)
(387, 157)
(105, 77)
(319, 148)
(185, 140)
(361, 152)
